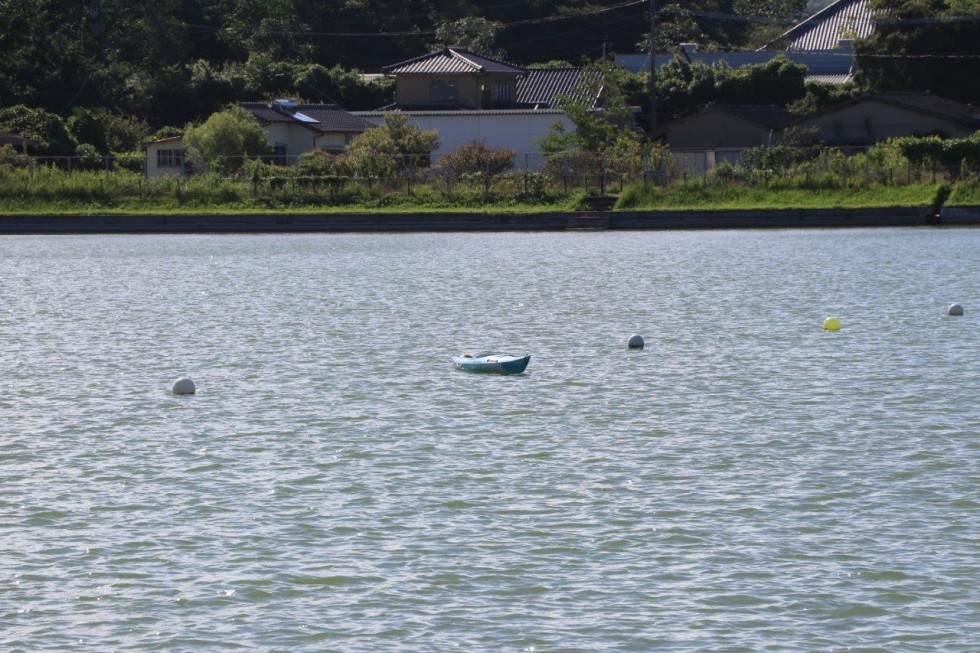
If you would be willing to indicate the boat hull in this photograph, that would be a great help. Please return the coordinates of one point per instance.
(493, 364)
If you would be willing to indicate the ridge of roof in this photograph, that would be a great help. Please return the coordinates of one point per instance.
(467, 58)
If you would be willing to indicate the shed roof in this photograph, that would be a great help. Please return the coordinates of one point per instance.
(6, 138)
(318, 117)
(925, 103)
(764, 115)
(453, 61)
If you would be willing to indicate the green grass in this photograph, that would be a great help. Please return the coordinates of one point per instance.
(965, 193)
(48, 191)
(136, 206)
(698, 197)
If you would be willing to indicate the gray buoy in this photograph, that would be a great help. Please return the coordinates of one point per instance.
(184, 386)
(954, 309)
(635, 341)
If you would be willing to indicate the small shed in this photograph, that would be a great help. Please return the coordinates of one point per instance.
(166, 156)
(729, 126)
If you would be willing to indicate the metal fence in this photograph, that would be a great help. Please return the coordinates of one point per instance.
(330, 177)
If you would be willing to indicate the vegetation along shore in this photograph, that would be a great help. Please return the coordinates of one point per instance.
(239, 109)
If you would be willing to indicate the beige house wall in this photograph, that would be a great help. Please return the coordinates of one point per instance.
(413, 90)
(151, 166)
(870, 121)
(714, 129)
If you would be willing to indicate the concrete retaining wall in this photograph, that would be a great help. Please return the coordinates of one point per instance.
(960, 215)
(435, 222)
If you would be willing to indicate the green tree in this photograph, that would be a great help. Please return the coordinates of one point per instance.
(596, 127)
(923, 45)
(391, 148)
(473, 32)
(226, 139)
(47, 132)
(722, 24)
(684, 87)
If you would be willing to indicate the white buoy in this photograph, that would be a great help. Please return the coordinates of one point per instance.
(184, 386)
(954, 309)
(635, 341)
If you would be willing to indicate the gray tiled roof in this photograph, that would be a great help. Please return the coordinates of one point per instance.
(325, 117)
(844, 19)
(930, 104)
(452, 61)
(543, 87)
(834, 80)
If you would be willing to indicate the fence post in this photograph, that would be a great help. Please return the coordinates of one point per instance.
(525, 172)
(602, 173)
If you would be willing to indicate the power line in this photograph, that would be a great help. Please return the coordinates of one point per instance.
(431, 32)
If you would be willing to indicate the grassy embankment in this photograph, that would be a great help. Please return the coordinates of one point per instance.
(965, 193)
(54, 192)
(694, 196)
(51, 191)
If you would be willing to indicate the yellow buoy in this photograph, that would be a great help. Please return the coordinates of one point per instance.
(831, 324)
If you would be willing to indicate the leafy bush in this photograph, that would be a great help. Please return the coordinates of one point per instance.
(477, 158)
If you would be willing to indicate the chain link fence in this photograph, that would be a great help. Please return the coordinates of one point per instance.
(337, 179)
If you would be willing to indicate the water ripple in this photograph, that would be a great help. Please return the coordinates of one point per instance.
(746, 482)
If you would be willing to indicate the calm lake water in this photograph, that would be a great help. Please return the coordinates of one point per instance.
(747, 482)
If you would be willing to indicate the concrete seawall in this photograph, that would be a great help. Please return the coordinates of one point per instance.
(446, 222)
(960, 215)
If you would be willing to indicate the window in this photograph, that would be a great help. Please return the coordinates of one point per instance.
(170, 158)
(503, 93)
(443, 92)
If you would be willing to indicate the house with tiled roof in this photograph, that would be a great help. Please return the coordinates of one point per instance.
(454, 78)
(467, 97)
(292, 129)
(879, 116)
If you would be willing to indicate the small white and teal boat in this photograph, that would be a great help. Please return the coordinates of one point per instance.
(491, 363)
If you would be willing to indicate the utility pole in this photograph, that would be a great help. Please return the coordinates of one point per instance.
(653, 68)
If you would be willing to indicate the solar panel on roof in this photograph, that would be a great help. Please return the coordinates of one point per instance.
(302, 117)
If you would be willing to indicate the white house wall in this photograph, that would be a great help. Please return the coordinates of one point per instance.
(516, 131)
